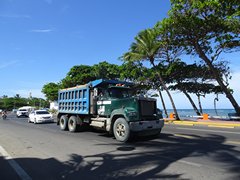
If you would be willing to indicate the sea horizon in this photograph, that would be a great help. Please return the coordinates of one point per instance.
(191, 112)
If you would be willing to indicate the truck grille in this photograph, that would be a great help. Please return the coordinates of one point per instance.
(147, 108)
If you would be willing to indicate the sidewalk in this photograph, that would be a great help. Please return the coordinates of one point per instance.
(211, 122)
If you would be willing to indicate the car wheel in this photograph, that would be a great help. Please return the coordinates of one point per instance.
(72, 124)
(64, 123)
(29, 120)
(121, 130)
(35, 122)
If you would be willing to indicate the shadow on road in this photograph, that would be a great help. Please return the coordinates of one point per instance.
(126, 162)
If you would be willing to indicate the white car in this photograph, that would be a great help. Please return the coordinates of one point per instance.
(40, 116)
(22, 112)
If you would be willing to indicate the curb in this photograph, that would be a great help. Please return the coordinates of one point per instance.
(210, 124)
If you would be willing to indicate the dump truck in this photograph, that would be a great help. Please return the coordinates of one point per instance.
(108, 105)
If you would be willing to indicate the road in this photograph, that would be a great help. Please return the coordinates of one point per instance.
(43, 151)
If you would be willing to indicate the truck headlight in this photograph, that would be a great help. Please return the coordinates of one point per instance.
(132, 113)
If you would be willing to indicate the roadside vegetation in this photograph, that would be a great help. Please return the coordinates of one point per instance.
(201, 29)
(10, 103)
(204, 30)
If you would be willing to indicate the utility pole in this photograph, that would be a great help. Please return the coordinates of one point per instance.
(40, 104)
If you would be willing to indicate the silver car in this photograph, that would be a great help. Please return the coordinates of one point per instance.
(22, 112)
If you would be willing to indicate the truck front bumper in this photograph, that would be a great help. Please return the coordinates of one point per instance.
(146, 125)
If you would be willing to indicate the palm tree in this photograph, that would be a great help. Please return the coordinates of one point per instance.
(145, 48)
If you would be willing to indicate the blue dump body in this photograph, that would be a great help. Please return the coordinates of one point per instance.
(76, 99)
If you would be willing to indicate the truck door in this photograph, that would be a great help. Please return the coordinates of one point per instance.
(103, 104)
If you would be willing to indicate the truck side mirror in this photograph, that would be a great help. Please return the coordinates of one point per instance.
(95, 92)
(101, 96)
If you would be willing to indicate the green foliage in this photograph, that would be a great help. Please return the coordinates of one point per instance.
(51, 91)
(208, 27)
(83, 74)
(145, 47)
(17, 102)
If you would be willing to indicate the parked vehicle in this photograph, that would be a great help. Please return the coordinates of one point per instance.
(40, 116)
(22, 112)
(108, 105)
(14, 110)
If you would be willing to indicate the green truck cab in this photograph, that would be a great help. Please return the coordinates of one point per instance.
(108, 105)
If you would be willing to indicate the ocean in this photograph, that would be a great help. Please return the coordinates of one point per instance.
(182, 113)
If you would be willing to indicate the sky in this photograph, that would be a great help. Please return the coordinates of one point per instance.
(41, 40)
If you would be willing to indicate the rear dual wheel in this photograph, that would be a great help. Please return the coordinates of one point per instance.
(72, 124)
(64, 123)
(68, 124)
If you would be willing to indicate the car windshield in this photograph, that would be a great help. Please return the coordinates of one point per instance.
(119, 93)
(22, 110)
(42, 112)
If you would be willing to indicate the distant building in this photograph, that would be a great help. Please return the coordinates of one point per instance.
(30, 96)
(54, 105)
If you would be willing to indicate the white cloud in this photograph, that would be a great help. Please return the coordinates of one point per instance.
(41, 31)
(14, 16)
(65, 8)
(77, 34)
(3, 65)
(49, 1)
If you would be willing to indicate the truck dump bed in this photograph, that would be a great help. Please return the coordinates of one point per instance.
(74, 100)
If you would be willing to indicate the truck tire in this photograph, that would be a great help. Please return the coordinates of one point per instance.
(64, 123)
(121, 130)
(72, 124)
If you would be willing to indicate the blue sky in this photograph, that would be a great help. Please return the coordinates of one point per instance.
(42, 39)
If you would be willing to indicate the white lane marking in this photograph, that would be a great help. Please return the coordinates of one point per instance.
(209, 130)
(23, 175)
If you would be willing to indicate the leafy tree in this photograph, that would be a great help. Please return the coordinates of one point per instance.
(17, 96)
(51, 91)
(83, 74)
(179, 72)
(146, 48)
(206, 29)
(79, 75)
(105, 70)
(8, 103)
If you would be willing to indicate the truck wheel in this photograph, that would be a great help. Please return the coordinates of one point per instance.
(121, 130)
(64, 123)
(72, 124)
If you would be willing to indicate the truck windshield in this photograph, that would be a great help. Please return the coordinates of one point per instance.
(119, 93)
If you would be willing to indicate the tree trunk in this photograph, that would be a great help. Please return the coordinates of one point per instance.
(189, 98)
(215, 106)
(199, 103)
(217, 77)
(163, 104)
(166, 89)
